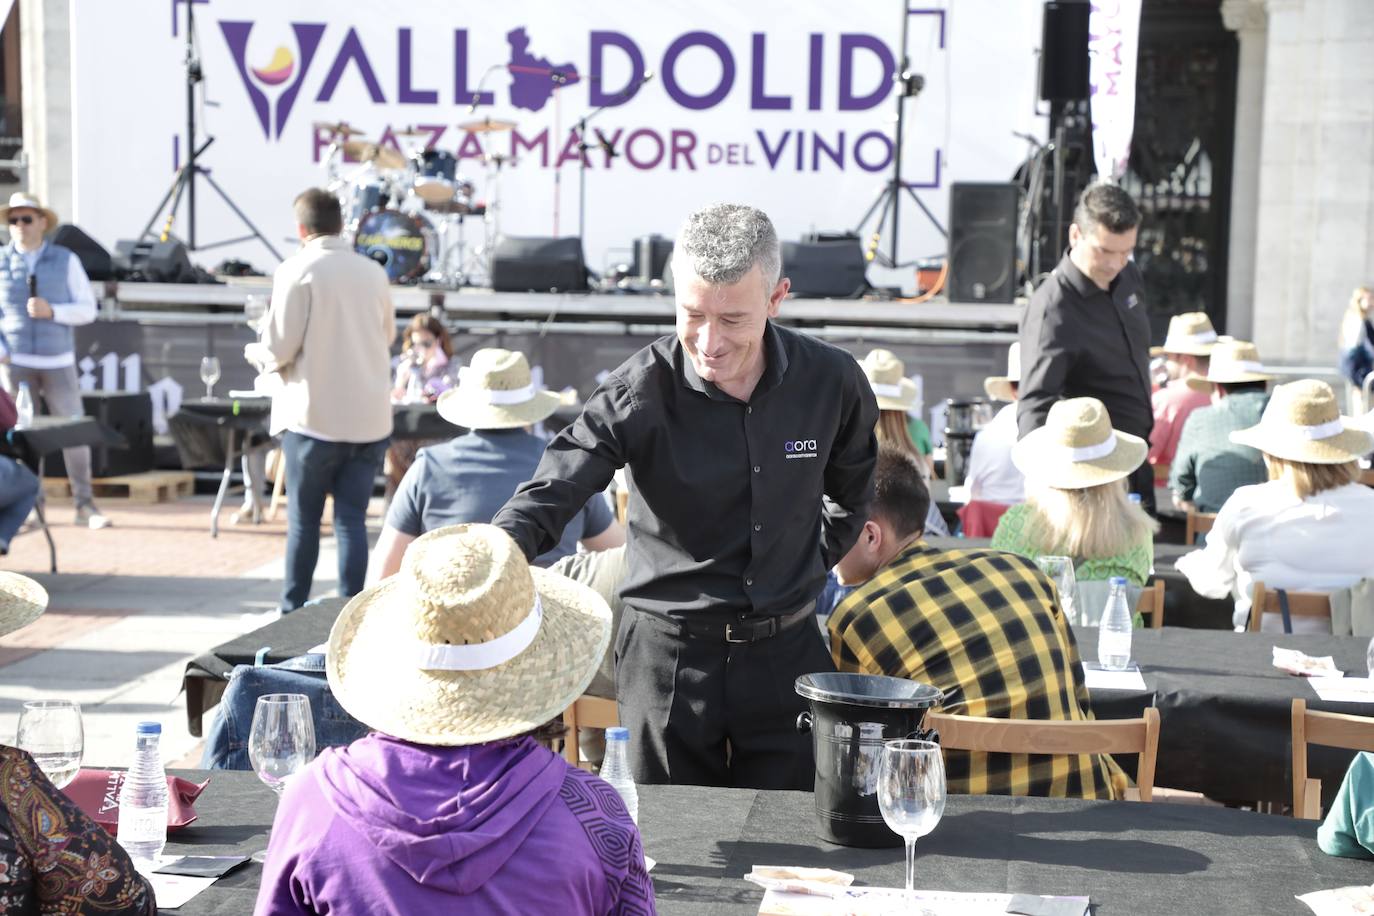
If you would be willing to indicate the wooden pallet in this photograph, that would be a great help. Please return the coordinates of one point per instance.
(148, 487)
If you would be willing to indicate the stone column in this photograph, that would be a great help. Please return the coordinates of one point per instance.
(45, 43)
(1248, 20)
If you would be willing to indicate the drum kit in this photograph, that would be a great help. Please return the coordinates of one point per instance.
(406, 208)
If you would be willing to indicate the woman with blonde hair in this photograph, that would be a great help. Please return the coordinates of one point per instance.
(1076, 467)
(1308, 527)
(896, 393)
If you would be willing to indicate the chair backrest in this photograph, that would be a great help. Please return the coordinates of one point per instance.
(1198, 523)
(1037, 736)
(1151, 604)
(1300, 604)
(1367, 477)
(1328, 729)
(586, 712)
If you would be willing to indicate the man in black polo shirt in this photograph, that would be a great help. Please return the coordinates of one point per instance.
(749, 450)
(1086, 332)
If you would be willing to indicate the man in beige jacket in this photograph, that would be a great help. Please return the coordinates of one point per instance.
(328, 333)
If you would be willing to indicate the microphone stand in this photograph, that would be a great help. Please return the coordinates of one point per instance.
(602, 143)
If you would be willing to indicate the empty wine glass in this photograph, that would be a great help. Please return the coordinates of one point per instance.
(209, 374)
(911, 793)
(281, 741)
(51, 731)
(1060, 571)
(254, 309)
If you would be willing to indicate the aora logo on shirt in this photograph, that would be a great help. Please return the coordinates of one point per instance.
(800, 448)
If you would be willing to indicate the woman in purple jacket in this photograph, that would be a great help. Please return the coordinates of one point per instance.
(451, 805)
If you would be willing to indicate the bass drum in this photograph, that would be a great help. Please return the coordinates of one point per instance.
(397, 241)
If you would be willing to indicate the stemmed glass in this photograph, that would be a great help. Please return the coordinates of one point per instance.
(911, 793)
(1060, 571)
(50, 730)
(281, 741)
(209, 374)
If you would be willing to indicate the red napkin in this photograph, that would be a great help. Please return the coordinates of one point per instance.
(97, 793)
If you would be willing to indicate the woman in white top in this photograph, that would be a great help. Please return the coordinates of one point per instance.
(1307, 528)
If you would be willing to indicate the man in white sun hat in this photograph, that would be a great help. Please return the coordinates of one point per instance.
(44, 293)
(470, 477)
(1188, 344)
(992, 475)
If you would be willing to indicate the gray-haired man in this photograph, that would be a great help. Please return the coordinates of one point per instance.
(749, 450)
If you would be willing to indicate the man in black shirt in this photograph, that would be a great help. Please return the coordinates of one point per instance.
(1085, 332)
(749, 450)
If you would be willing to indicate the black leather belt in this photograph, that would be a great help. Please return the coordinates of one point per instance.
(741, 629)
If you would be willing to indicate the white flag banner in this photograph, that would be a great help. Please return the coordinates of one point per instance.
(1113, 37)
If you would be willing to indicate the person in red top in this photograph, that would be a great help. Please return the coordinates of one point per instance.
(1187, 346)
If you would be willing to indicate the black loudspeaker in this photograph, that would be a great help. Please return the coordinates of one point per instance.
(130, 415)
(155, 262)
(651, 257)
(1064, 51)
(93, 256)
(538, 264)
(825, 270)
(982, 241)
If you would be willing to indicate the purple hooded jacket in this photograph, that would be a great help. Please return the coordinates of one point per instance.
(388, 827)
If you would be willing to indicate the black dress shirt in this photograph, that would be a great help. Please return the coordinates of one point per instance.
(726, 511)
(1078, 340)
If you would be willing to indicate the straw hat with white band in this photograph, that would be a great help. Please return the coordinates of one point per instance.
(1303, 422)
(22, 601)
(1190, 333)
(1077, 448)
(1233, 362)
(887, 376)
(496, 391)
(22, 201)
(467, 644)
(998, 387)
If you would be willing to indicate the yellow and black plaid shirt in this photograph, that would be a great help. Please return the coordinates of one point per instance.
(985, 625)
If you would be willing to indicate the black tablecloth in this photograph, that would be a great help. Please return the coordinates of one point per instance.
(1129, 857)
(409, 421)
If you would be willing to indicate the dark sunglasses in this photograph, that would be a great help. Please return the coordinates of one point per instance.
(26, 219)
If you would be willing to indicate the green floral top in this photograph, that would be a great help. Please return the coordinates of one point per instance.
(1012, 534)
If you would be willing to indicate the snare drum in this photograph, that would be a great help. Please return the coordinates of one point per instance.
(397, 241)
(436, 182)
(365, 198)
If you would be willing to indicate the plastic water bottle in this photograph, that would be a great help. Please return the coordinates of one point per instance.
(143, 801)
(23, 404)
(1114, 629)
(615, 769)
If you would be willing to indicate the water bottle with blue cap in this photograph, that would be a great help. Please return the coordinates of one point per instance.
(615, 769)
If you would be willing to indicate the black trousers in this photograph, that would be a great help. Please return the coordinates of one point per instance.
(711, 713)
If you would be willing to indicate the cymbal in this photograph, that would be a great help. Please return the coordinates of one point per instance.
(367, 151)
(486, 125)
(411, 132)
(341, 129)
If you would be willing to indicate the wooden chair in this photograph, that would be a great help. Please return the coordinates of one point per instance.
(1328, 729)
(1037, 736)
(1300, 604)
(1198, 523)
(1151, 604)
(1367, 477)
(587, 712)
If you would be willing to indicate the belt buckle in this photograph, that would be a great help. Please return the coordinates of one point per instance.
(734, 640)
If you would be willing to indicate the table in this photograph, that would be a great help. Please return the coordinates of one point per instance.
(1130, 857)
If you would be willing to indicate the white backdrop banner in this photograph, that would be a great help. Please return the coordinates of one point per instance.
(1113, 37)
(788, 106)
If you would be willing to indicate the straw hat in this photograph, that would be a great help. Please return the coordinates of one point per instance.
(887, 375)
(998, 387)
(467, 644)
(20, 200)
(1302, 422)
(496, 391)
(1190, 333)
(1233, 362)
(22, 601)
(1077, 448)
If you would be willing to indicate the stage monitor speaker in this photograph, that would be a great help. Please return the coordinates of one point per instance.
(538, 264)
(153, 261)
(825, 270)
(130, 415)
(1064, 51)
(651, 257)
(982, 241)
(92, 255)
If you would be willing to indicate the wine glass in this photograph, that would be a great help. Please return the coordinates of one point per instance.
(1060, 571)
(911, 793)
(281, 741)
(209, 374)
(50, 730)
(254, 309)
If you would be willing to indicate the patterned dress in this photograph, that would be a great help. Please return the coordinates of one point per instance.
(53, 858)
